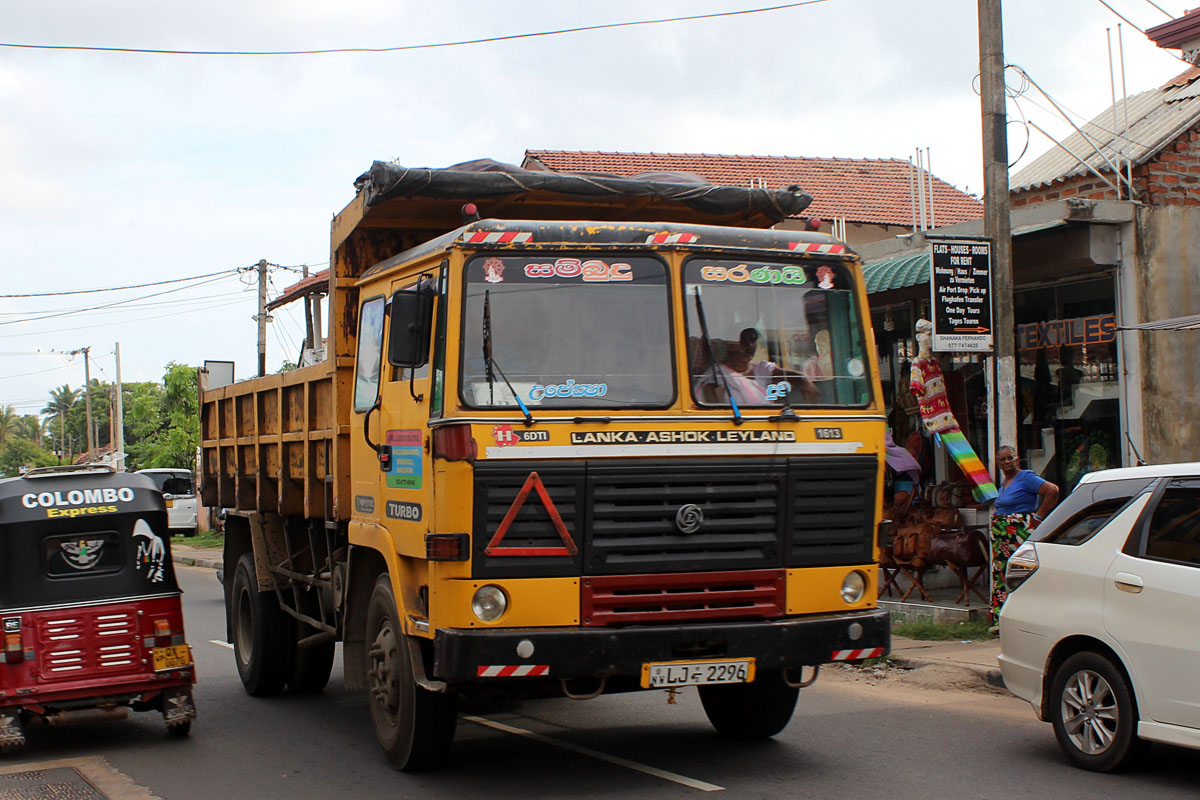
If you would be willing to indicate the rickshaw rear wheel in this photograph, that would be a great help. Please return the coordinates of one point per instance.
(414, 726)
(179, 730)
(261, 633)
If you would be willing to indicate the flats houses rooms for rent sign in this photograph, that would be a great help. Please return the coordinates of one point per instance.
(961, 296)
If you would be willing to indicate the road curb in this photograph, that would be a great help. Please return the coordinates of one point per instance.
(191, 561)
(989, 675)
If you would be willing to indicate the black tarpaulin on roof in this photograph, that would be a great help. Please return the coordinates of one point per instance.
(485, 179)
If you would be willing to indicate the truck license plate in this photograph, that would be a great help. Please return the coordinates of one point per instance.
(665, 674)
(172, 657)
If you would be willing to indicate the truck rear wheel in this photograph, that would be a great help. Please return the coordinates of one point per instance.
(750, 710)
(260, 633)
(414, 726)
(311, 665)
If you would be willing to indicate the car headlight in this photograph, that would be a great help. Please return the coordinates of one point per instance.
(854, 585)
(1022, 564)
(489, 603)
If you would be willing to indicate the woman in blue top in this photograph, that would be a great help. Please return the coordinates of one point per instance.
(1024, 501)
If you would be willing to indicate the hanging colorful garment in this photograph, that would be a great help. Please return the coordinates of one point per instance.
(929, 388)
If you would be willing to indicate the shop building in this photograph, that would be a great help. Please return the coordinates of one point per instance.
(1106, 296)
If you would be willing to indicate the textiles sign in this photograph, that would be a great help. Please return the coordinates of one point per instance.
(1067, 332)
(960, 286)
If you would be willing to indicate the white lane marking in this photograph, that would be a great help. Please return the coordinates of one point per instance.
(219, 643)
(621, 762)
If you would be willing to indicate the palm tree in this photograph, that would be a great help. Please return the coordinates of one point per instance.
(61, 400)
(8, 423)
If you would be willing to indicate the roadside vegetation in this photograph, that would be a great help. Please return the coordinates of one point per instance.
(214, 540)
(942, 631)
(162, 425)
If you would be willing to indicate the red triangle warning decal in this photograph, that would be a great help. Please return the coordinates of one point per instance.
(534, 481)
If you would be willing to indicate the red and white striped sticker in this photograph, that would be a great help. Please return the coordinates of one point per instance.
(671, 238)
(498, 237)
(514, 671)
(855, 655)
(814, 247)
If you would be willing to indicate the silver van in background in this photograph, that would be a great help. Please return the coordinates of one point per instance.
(179, 490)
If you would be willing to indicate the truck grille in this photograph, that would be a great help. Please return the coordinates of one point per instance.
(643, 599)
(758, 514)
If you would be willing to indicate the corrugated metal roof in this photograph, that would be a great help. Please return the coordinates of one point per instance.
(896, 273)
(1156, 118)
(875, 191)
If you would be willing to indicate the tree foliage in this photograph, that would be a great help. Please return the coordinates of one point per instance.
(161, 425)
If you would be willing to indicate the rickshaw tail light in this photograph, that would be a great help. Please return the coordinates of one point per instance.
(14, 652)
(162, 627)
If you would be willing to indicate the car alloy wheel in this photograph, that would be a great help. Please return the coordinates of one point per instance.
(1089, 712)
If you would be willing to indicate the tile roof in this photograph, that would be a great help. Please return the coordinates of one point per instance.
(859, 189)
(1156, 118)
(313, 284)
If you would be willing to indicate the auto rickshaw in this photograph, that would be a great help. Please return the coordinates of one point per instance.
(91, 617)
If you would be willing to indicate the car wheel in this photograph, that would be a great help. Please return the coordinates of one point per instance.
(1094, 713)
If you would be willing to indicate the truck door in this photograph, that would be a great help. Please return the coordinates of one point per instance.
(404, 475)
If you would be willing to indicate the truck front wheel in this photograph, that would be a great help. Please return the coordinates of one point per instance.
(414, 726)
(261, 633)
(750, 710)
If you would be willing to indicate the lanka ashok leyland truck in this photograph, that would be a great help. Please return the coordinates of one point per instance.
(614, 435)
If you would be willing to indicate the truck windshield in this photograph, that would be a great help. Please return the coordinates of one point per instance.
(778, 333)
(566, 331)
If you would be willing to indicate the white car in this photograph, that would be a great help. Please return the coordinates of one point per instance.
(179, 490)
(1101, 629)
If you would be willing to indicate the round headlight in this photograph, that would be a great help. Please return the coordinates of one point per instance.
(853, 587)
(489, 603)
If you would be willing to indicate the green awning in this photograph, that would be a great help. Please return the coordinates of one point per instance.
(896, 273)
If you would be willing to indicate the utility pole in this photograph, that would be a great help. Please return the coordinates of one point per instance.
(309, 342)
(997, 224)
(119, 438)
(262, 318)
(87, 396)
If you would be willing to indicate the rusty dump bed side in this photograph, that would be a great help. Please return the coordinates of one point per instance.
(268, 444)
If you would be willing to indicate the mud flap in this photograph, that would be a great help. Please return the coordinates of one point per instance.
(177, 706)
(12, 734)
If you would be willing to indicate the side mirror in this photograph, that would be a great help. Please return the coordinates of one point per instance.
(408, 339)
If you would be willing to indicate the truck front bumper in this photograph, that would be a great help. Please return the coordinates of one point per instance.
(469, 656)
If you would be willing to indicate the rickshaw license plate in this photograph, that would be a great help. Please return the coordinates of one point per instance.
(172, 657)
(665, 674)
(170, 504)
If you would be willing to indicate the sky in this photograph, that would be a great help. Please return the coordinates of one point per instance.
(127, 169)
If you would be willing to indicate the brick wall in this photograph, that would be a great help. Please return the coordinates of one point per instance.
(1171, 178)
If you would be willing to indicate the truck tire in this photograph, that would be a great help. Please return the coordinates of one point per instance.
(310, 666)
(750, 710)
(261, 633)
(414, 726)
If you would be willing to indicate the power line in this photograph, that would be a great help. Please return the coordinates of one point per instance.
(207, 307)
(114, 304)
(399, 48)
(130, 304)
(1122, 16)
(122, 288)
(1160, 8)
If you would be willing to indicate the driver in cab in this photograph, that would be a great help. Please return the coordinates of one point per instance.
(750, 382)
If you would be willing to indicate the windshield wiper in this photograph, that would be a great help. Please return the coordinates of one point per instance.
(490, 363)
(718, 374)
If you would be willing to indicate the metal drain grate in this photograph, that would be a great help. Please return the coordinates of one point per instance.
(60, 783)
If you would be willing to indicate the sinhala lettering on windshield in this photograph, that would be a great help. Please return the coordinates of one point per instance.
(789, 276)
(568, 389)
(590, 271)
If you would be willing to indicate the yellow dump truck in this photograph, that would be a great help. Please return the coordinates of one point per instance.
(574, 435)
